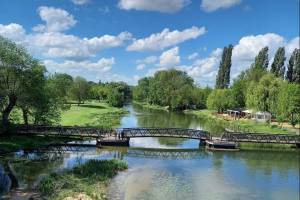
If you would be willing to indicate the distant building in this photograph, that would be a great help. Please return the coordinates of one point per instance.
(262, 116)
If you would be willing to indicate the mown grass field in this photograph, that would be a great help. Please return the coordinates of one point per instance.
(96, 114)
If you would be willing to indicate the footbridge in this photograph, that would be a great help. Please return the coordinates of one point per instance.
(114, 134)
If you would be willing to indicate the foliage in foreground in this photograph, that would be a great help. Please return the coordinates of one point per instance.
(89, 178)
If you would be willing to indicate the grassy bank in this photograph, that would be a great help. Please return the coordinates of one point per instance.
(267, 147)
(92, 114)
(18, 142)
(151, 106)
(242, 124)
(87, 181)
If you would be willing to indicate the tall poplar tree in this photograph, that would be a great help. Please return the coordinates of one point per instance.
(290, 68)
(277, 67)
(262, 59)
(296, 69)
(223, 76)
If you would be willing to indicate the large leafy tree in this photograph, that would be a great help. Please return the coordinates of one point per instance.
(277, 67)
(223, 76)
(220, 100)
(263, 96)
(288, 104)
(15, 65)
(80, 89)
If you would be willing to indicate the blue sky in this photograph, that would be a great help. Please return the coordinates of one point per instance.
(124, 40)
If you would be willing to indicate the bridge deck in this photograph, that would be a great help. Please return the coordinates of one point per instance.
(123, 133)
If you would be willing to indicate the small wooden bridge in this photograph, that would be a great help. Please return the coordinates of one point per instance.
(121, 137)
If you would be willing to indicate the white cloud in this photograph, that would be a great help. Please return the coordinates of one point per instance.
(164, 6)
(292, 45)
(204, 70)
(166, 38)
(103, 65)
(60, 45)
(213, 5)
(56, 19)
(12, 31)
(142, 63)
(244, 52)
(140, 66)
(147, 60)
(169, 58)
(80, 2)
(193, 56)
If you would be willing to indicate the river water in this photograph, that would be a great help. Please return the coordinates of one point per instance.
(176, 169)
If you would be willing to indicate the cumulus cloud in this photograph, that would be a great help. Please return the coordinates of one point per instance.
(204, 70)
(165, 39)
(169, 58)
(142, 63)
(103, 65)
(80, 2)
(213, 5)
(164, 6)
(244, 52)
(193, 56)
(12, 31)
(56, 19)
(60, 45)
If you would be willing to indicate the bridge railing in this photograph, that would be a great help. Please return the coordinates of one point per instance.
(261, 138)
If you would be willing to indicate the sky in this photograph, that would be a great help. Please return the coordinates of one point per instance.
(125, 40)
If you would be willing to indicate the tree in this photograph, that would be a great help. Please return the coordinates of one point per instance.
(115, 98)
(220, 100)
(171, 88)
(293, 72)
(277, 67)
(239, 89)
(262, 60)
(288, 105)
(223, 77)
(80, 89)
(62, 83)
(14, 62)
(263, 96)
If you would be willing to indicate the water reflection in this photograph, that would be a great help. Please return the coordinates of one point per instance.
(141, 117)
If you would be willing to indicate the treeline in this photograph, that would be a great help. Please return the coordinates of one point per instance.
(25, 85)
(172, 88)
(276, 90)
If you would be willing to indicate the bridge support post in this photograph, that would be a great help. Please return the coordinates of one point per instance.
(298, 145)
(202, 142)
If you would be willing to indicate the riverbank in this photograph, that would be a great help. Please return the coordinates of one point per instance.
(95, 114)
(151, 106)
(14, 143)
(242, 124)
(87, 181)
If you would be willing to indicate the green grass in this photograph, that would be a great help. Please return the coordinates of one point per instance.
(151, 106)
(92, 114)
(267, 146)
(17, 142)
(89, 179)
(242, 125)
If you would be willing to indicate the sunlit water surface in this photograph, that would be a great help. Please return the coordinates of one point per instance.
(176, 169)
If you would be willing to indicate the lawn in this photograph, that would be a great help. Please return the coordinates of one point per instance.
(92, 114)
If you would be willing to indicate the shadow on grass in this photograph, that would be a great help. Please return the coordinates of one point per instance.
(92, 106)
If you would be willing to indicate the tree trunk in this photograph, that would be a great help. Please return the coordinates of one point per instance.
(25, 116)
(12, 100)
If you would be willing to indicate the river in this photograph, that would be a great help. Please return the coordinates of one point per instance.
(176, 169)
